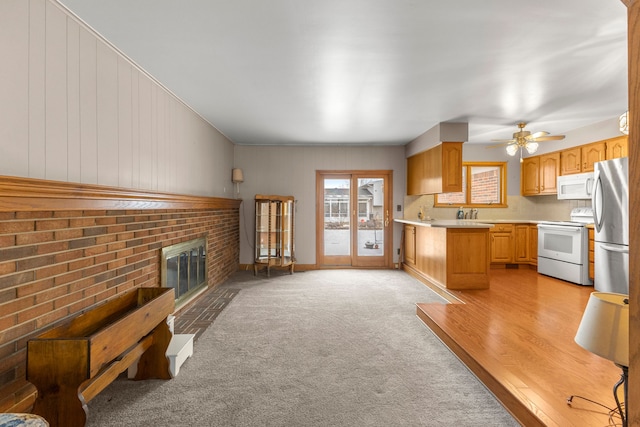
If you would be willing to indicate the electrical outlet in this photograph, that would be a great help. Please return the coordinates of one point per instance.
(398, 251)
(399, 208)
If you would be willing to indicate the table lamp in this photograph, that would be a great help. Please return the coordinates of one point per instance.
(604, 330)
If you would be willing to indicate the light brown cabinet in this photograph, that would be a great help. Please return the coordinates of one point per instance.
(530, 176)
(539, 174)
(570, 161)
(410, 244)
(438, 170)
(533, 244)
(452, 258)
(514, 244)
(501, 243)
(549, 170)
(521, 252)
(592, 153)
(591, 252)
(617, 147)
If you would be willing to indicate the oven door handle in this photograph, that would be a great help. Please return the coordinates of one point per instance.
(624, 250)
(568, 229)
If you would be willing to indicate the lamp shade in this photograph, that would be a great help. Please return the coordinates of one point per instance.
(512, 149)
(531, 147)
(604, 328)
(237, 175)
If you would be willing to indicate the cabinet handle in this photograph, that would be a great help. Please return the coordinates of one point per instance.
(386, 221)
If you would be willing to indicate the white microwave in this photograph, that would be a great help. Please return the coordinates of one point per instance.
(575, 186)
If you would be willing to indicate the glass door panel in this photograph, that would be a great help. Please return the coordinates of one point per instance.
(370, 217)
(336, 220)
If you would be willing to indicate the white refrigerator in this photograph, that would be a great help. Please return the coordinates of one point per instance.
(611, 221)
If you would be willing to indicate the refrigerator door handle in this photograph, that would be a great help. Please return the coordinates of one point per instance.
(588, 187)
(622, 250)
(596, 201)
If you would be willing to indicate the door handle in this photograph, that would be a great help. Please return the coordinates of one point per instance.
(609, 248)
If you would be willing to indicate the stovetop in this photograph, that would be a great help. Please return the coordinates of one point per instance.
(580, 217)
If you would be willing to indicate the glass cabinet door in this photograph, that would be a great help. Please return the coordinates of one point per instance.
(274, 232)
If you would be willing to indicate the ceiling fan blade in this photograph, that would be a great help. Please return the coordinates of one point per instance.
(533, 136)
(501, 144)
(506, 141)
(549, 138)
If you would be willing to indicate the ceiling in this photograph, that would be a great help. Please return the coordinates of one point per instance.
(377, 72)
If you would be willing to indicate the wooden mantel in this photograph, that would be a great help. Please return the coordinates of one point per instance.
(28, 194)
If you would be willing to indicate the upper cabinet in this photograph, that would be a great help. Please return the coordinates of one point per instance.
(617, 147)
(592, 153)
(570, 161)
(583, 157)
(438, 170)
(530, 176)
(538, 174)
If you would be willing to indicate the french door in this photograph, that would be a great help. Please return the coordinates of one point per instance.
(353, 219)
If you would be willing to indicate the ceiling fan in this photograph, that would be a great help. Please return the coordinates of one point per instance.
(525, 140)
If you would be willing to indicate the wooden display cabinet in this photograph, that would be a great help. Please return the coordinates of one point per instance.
(274, 238)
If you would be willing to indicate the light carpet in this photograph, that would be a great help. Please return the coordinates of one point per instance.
(316, 348)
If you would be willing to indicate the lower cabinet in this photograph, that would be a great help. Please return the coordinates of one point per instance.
(451, 258)
(514, 244)
(533, 244)
(591, 253)
(410, 244)
(501, 241)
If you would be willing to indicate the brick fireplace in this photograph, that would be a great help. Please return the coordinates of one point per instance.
(67, 247)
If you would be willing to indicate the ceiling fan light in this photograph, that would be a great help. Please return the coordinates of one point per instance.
(531, 147)
(512, 149)
(624, 123)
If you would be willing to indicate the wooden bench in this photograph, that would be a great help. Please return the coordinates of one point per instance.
(71, 363)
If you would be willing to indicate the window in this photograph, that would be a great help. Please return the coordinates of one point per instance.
(487, 186)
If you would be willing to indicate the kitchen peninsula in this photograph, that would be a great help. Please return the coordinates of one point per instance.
(451, 254)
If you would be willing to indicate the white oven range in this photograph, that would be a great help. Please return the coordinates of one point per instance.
(563, 247)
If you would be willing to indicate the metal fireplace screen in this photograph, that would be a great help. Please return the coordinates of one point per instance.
(184, 268)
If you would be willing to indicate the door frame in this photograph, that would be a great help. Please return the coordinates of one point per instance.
(353, 260)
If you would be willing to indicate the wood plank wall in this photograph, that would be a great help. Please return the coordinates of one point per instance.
(74, 108)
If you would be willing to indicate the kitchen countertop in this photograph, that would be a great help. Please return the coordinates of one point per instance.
(447, 223)
(465, 223)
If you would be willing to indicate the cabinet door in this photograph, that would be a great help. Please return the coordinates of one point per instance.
(451, 167)
(502, 243)
(617, 147)
(410, 244)
(549, 169)
(501, 248)
(521, 243)
(415, 174)
(570, 161)
(591, 254)
(533, 244)
(592, 153)
(530, 172)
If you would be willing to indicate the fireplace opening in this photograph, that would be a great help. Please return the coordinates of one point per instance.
(184, 268)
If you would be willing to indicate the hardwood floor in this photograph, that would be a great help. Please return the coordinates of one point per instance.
(517, 337)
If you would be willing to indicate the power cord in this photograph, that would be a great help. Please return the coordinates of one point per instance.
(612, 412)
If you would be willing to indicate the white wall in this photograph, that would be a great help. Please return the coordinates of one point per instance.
(292, 171)
(72, 108)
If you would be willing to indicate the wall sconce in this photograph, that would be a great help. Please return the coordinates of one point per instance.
(623, 121)
(237, 177)
(604, 330)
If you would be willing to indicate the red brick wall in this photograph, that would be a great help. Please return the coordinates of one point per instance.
(54, 264)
